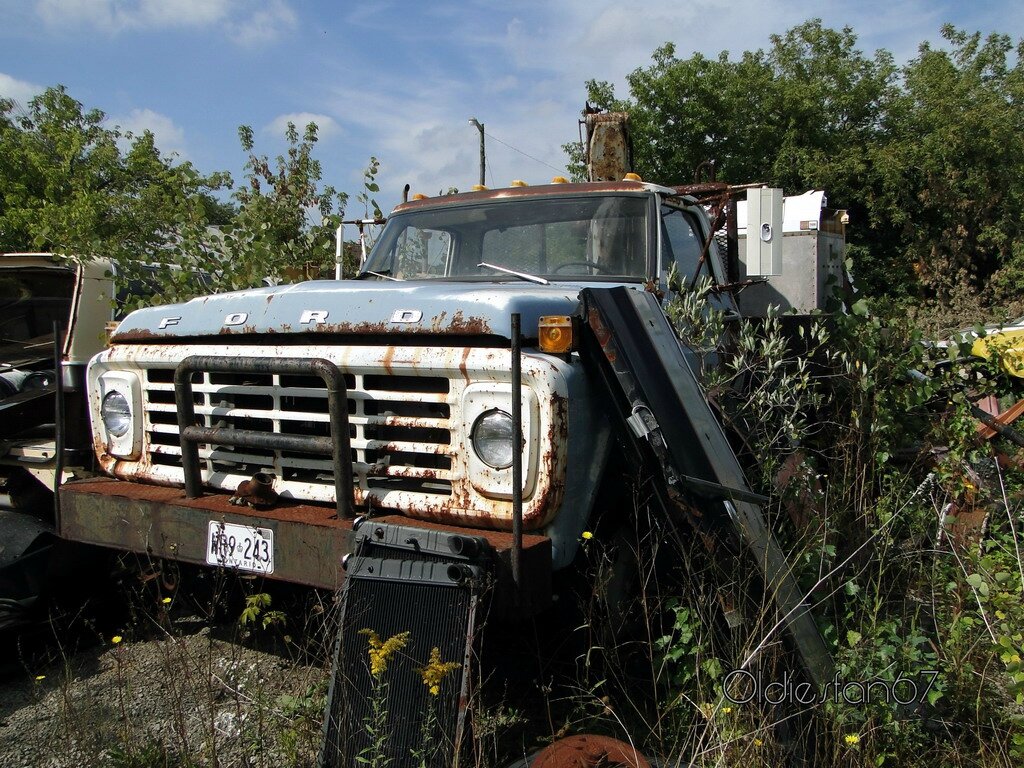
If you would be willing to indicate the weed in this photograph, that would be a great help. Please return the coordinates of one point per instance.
(257, 612)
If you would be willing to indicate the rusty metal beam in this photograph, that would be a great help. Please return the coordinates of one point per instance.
(631, 346)
(517, 452)
(1006, 418)
(310, 541)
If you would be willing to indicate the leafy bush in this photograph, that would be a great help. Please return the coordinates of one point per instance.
(861, 433)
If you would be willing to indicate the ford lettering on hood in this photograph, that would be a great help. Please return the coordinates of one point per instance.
(354, 307)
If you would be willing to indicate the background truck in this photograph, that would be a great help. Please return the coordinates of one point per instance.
(54, 313)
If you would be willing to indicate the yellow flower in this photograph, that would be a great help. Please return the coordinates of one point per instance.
(380, 652)
(40, 678)
(851, 739)
(116, 639)
(436, 671)
(587, 535)
(726, 710)
(758, 743)
(166, 601)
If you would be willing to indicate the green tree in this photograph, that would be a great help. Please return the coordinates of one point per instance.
(952, 166)
(686, 111)
(69, 183)
(282, 227)
(797, 114)
(828, 103)
(286, 219)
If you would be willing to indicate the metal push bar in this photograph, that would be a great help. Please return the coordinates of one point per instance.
(337, 446)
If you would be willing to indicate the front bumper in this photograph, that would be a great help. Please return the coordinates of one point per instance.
(310, 541)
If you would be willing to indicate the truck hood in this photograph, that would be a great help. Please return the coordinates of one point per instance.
(356, 307)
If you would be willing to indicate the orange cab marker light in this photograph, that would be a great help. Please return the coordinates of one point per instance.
(559, 180)
(554, 333)
(519, 183)
(632, 177)
(479, 188)
(419, 196)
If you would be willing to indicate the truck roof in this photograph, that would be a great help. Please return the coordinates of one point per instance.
(541, 190)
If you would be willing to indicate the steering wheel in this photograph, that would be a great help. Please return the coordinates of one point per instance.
(591, 264)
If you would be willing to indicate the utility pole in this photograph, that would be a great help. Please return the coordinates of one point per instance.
(483, 157)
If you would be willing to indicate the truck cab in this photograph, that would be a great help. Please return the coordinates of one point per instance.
(568, 233)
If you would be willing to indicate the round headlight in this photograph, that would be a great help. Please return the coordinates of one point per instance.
(492, 439)
(116, 413)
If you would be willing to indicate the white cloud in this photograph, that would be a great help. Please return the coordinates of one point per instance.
(420, 131)
(523, 72)
(114, 16)
(327, 125)
(246, 22)
(576, 40)
(264, 25)
(19, 90)
(167, 135)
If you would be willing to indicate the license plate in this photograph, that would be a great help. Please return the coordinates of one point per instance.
(244, 547)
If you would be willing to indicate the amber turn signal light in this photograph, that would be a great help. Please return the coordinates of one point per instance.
(554, 333)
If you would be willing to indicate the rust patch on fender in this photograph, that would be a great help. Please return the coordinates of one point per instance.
(458, 324)
(438, 322)
(139, 334)
(467, 325)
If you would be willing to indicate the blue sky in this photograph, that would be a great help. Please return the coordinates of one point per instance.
(400, 80)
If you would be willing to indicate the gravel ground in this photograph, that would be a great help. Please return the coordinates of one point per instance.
(188, 695)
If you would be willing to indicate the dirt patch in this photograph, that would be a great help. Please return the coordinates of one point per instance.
(188, 697)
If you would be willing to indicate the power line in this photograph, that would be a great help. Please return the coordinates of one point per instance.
(524, 154)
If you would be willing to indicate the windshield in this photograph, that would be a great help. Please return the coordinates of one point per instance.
(593, 236)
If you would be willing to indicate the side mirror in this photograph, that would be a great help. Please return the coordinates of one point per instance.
(763, 253)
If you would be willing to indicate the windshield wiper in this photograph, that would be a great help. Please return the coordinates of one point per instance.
(382, 275)
(520, 275)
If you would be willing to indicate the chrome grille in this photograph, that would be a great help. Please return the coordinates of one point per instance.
(399, 427)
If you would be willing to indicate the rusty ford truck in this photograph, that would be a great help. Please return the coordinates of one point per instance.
(420, 339)
(441, 421)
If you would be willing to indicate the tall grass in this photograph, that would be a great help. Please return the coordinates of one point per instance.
(867, 468)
